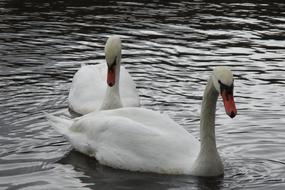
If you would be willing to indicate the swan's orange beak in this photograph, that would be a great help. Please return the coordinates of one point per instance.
(111, 75)
(229, 104)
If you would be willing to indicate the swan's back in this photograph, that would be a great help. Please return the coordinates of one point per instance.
(137, 139)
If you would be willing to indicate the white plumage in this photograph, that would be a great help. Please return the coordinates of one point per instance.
(134, 139)
(89, 89)
(139, 139)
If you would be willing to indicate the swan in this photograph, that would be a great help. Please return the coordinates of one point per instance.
(139, 139)
(89, 90)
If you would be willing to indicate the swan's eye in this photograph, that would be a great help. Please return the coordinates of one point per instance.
(228, 89)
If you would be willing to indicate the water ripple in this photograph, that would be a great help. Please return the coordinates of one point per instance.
(170, 49)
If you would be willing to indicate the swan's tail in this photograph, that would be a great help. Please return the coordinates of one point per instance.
(77, 139)
(62, 125)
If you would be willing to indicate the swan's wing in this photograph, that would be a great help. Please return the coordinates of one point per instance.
(128, 92)
(88, 89)
(124, 142)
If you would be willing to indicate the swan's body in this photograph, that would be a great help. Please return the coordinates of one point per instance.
(89, 90)
(123, 138)
(89, 87)
(138, 139)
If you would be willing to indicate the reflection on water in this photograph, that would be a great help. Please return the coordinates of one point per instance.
(169, 47)
(109, 178)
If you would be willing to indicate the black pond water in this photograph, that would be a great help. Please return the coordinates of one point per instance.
(170, 48)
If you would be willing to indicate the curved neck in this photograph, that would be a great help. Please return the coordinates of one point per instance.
(208, 162)
(208, 113)
(112, 99)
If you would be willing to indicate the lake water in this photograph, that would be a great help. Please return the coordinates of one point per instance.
(170, 48)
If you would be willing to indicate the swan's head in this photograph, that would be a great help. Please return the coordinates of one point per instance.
(224, 83)
(113, 57)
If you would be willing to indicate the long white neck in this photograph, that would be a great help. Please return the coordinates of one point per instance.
(208, 113)
(208, 161)
(112, 98)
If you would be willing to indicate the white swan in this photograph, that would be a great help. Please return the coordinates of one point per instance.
(139, 139)
(89, 90)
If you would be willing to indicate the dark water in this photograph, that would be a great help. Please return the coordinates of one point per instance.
(169, 47)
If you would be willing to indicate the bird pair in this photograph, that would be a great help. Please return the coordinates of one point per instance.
(135, 138)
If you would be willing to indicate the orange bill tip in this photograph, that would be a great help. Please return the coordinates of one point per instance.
(229, 104)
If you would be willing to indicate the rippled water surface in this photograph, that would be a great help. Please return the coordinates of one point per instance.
(170, 48)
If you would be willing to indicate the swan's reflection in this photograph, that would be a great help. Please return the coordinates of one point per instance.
(215, 183)
(99, 176)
